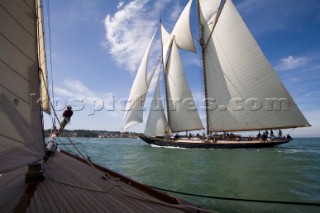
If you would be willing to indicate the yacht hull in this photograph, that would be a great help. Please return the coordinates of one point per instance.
(201, 144)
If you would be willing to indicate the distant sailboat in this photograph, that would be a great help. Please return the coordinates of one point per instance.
(242, 91)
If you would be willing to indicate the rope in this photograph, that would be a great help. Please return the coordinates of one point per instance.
(50, 48)
(239, 199)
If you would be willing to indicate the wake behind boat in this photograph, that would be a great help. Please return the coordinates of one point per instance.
(242, 92)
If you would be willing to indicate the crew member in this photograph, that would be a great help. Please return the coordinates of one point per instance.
(66, 118)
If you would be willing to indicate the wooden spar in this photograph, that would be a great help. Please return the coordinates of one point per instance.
(165, 81)
(165, 77)
(203, 69)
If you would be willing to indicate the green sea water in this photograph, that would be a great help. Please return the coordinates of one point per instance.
(289, 172)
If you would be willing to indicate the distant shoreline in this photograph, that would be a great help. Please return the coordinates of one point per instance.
(94, 134)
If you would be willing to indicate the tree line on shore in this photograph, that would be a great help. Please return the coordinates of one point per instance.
(94, 133)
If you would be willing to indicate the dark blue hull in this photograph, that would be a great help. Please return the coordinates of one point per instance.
(209, 145)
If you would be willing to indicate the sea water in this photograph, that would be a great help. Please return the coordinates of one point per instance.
(289, 172)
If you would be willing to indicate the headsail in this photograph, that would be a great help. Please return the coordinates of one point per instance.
(134, 108)
(42, 61)
(157, 123)
(183, 114)
(21, 135)
(243, 85)
(181, 33)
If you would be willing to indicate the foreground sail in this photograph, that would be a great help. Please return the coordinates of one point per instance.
(44, 94)
(21, 139)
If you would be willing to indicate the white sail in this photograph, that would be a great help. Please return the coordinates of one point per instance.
(182, 31)
(183, 114)
(21, 139)
(239, 79)
(165, 39)
(134, 108)
(42, 62)
(157, 123)
(209, 10)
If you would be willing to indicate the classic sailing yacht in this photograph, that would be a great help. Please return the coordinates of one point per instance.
(242, 92)
(65, 182)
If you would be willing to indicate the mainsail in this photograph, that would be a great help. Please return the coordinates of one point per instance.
(240, 81)
(134, 108)
(21, 138)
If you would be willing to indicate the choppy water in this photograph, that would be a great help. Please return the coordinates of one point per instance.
(290, 172)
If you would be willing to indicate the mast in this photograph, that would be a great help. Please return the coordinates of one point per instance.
(165, 80)
(203, 68)
(181, 115)
(204, 45)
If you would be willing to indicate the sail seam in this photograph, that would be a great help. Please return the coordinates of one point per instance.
(25, 54)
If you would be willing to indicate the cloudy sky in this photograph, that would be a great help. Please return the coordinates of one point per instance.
(94, 48)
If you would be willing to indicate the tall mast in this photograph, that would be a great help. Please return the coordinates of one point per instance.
(204, 45)
(165, 80)
(203, 48)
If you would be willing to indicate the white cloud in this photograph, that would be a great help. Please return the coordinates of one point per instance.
(63, 92)
(129, 30)
(81, 97)
(291, 62)
(121, 3)
(176, 11)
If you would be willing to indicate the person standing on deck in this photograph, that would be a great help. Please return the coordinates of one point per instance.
(66, 118)
(51, 146)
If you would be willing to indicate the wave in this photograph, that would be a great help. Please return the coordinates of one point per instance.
(168, 147)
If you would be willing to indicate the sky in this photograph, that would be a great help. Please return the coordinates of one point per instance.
(94, 48)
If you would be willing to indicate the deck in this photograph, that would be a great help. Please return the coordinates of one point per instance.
(74, 186)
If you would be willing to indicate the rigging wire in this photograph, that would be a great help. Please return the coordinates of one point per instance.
(65, 146)
(50, 57)
(54, 115)
(238, 199)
